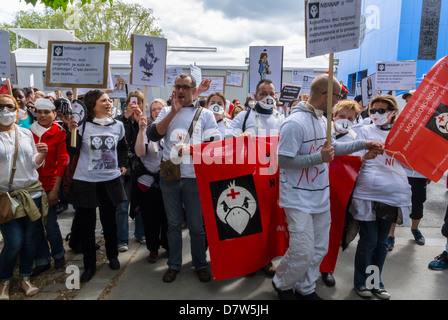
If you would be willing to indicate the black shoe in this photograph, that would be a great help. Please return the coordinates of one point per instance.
(59, 263)
(311, 296)
(328, 279)
(114, 264)
(39, 269)
(284, 294)
(87, 275)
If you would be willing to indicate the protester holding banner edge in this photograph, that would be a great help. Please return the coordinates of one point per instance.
(302, 147)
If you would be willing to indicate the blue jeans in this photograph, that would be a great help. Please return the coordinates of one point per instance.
(51, 233)
(371, 249)
(20, 242)
(179, 198)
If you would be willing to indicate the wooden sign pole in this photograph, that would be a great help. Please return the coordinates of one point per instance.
(145, 100)
(74, 131)
(330, 99)
(8, 83)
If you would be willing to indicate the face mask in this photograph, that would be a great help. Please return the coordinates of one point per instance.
(7, 117)
(267, 103)
(21, 113)
(216, 108)
(319, 113)
(343, 125)
(251, 104)
(103, 121)
(379, 119)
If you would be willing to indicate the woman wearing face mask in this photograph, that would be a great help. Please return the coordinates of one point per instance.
(46, 130)
(381, 196)
(103, 152)
(216, 103)
(28, 198)
(250, 103)
(146, 185)
(26, 116)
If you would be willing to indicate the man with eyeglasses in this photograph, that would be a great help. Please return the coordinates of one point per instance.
(303, 157)
(172, 125)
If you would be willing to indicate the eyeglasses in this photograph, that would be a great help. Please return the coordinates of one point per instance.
(380, 111)
(10, 107)
(336, 94)
(185, 87)
(156, 109)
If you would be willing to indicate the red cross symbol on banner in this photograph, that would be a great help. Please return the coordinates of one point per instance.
(232, 194)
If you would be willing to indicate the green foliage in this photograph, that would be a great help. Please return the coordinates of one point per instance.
(98, 22)
(61, 4)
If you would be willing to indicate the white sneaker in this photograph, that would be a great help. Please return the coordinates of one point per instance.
(363, 292)
(381, 294)
(122, 247)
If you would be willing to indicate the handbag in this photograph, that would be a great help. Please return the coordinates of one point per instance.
(5, 200)
(170, 171)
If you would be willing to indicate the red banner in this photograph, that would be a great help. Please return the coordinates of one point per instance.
(238, 184)
(343, 172)
(419, 136)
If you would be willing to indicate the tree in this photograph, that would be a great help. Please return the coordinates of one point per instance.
(61, 4)
(97, 22)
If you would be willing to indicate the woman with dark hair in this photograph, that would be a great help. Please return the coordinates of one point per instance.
(26, 116)
(26, 195)
(102, 148)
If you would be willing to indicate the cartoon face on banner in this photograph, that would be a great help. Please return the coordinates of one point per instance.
(438, 123)
(236, 207)
(79, 111)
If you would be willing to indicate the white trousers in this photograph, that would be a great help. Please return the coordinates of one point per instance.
(308, 245)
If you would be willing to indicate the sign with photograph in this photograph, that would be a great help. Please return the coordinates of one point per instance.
(119, 82)
(172, 74)
(265, 62)
(396, 75)
(368, 89)
(77, 64)
(331, 26)
(148, 60)
(5, 65)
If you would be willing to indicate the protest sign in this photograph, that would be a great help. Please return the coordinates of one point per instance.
(196, 73)
(77, 64)
(298, 74)
(395, 75)
(216, 85)
(119, 83)
(171, 75)
(5, 64)
(331, 26)
(306, 84)
(368, 89)
(419, 137)
(234, 79)
(148, 60)
(289, 93)
(238, 183)
(265, 62)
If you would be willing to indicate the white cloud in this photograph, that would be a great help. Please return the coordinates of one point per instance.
(232, 26)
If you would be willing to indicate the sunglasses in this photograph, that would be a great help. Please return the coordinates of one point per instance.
(10, 107)
(380, 111)
(185, 87)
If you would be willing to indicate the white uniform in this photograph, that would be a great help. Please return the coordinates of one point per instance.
(258, 124)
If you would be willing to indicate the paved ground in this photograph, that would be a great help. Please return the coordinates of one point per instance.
(405, 273)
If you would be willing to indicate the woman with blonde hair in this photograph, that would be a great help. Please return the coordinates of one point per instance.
(381, 196)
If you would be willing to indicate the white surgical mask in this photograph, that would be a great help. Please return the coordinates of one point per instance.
(343, 125)
(267, 103)
(251, 104)
(21, 113)
(319, 113)
(216, 108)
(103, 121)
(379, 119)
(7, 117)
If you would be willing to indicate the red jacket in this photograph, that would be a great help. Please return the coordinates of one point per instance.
(56, 158)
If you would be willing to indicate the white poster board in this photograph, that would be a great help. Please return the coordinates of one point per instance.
(234, 79)
(13, 71)
(196, 73)
(395, 75)
(368, 89)
(45, 88)
(331, 26)
(297, 75)
(77, 64)
(265, 62)
(306, 84)
(119, 82)
(172, 74)
(216, 85)
(148, 60)
(5, 64)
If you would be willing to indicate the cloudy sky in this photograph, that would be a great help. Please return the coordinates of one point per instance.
(232, 26)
